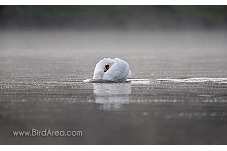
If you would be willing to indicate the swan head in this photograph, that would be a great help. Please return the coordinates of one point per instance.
(102, 67)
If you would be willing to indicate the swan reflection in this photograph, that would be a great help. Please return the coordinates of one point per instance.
(111, 96)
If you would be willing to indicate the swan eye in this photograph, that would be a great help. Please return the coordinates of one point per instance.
(106, 68)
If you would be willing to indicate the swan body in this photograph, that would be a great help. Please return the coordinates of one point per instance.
(118, 71)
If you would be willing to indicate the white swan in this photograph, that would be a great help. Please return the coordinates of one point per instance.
(118, 70)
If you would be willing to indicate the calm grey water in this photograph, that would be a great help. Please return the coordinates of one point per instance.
(41, 87)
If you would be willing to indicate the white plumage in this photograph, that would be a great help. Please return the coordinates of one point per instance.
(118, 71)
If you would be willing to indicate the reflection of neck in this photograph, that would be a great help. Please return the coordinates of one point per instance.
(112, 96)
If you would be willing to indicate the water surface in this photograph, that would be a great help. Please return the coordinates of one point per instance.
(179, 97)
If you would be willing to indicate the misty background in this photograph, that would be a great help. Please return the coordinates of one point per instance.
(114, 17)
